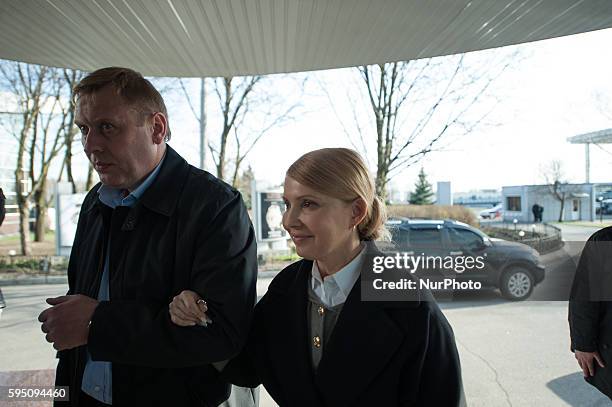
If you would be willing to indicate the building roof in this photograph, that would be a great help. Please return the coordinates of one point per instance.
(237, 37)
(596, 137)
(568, 184)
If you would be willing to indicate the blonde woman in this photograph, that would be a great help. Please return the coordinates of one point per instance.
(313, 341)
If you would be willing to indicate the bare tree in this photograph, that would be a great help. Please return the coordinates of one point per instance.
(48, 139)
(233, 97)
(39, 102)
(557, 185)
(243, 184)
(26, 83)
(410, 107)
(71, 77)
(603, 103)
(249, 109)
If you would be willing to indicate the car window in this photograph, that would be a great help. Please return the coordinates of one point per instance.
(426, 236)
(399, 235)
(464, 238)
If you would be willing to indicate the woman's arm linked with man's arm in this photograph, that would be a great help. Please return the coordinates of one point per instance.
(188, 309)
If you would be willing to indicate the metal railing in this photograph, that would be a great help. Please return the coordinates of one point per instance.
(541, 236)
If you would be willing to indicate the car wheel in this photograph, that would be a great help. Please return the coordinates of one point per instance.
(516, 284)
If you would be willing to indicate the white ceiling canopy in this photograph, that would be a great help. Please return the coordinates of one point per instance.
(239, 37)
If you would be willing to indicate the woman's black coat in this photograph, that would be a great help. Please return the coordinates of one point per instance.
(379, 354)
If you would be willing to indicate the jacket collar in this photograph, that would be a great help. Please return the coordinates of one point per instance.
(364, 340)
(303, 269)
(163, 194)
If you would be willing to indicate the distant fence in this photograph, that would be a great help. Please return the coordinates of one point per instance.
(543, 237)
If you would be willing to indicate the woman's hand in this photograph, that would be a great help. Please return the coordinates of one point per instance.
(188, 309)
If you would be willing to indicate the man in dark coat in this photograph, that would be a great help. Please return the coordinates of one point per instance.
(2, 206)
(535, 209)
(2, 215)
(540, 213)
(154, 226)
(590, 311)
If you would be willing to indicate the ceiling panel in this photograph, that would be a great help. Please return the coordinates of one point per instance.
(239, 37)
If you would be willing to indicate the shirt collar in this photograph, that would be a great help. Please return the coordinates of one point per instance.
(114, 197)
(335, 289)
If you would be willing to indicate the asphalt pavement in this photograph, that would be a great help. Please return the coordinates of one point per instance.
(512, 353)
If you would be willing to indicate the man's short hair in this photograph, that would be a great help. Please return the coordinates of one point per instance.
(129, 84)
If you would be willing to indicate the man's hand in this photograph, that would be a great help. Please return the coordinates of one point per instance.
(66, 323)
(585, 360)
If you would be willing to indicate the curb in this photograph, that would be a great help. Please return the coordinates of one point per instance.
(267, 274)
(34, 280)
(64, 279)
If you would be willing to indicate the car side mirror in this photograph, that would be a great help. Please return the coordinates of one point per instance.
(481, 245)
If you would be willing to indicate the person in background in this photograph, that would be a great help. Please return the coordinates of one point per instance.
(2, 216)
(314, 341)
(590, 311)
(152, 227)
(2, 206)
(535, 209)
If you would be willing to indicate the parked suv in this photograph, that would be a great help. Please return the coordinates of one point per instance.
(514, 268)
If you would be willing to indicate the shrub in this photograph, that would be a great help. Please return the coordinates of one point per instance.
(454, 212)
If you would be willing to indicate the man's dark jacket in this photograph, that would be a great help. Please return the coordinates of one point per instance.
(379, 354)
(590, 306)
(188, 231)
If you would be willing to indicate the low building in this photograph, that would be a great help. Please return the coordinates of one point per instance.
(478, 198)
(580, 201)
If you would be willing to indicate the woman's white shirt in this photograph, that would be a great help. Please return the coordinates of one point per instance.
(334, 289)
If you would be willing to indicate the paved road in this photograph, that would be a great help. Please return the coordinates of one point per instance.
(517, 354)
(571, 233)
(512, 353)
(23, 343)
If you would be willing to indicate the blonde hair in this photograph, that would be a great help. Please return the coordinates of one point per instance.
(129, 84)
(342, 174)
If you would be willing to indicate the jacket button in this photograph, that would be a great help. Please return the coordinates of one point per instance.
(316, 341)
(321, 311)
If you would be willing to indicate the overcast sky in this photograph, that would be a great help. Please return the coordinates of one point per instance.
(560, 88)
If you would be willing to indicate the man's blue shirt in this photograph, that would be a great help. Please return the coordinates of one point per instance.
(97, 378)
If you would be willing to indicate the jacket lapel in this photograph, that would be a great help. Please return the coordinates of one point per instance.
(288, 333)
(363, 341)
(162, 196)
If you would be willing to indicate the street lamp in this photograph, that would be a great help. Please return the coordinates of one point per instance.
(600, 200)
